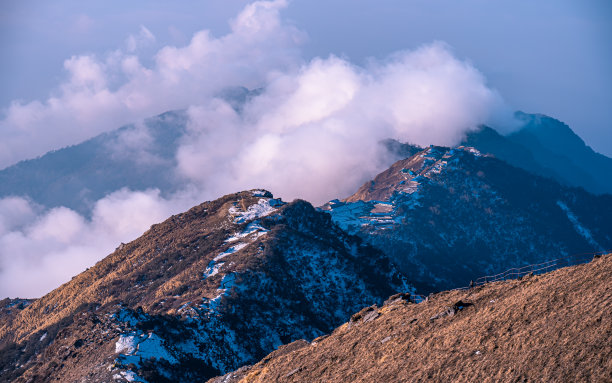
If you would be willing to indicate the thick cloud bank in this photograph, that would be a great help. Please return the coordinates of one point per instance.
(314, 133)
(312, 130)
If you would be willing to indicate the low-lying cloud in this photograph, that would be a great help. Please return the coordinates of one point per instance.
(312, 130)
(39, 252)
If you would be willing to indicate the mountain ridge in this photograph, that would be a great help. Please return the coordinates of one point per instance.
(172, 305)
(547, 147)
(550, 327)
(449, 215)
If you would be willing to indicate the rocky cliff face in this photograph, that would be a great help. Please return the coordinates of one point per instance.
(554, 327)
(198, 295)
(448, 216)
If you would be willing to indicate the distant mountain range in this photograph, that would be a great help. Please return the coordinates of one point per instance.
(137, 156)
(549, 148)
(79, 175)
(144, 156)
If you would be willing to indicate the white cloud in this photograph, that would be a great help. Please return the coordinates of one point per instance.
(45, 251)
(15, 212)
(314, 133)
(101, 94)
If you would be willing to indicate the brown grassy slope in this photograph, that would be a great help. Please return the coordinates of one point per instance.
(555, 327)
(157, 267)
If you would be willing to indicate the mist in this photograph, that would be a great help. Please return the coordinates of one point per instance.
(311, 131)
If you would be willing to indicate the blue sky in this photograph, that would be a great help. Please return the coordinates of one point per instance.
(551, 57)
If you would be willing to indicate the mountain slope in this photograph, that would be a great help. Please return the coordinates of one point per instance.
(548, 147)
(554, 327)
(448, 216)
(136, 157)
(202, 293)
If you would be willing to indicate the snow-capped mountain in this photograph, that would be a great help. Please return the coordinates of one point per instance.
(448, 216)
(201, 294)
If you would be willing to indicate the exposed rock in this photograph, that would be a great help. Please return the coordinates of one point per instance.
(451, 310)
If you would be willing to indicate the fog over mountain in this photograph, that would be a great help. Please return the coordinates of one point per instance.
(312, 130)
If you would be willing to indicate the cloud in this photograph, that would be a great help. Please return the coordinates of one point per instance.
(15, 212)
(311, 130)
(102, 93)
(315, 133)
(38, 252)
(145, 37)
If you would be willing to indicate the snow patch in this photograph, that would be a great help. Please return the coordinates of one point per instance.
(580, 229)
(214, 266)
(260, 193)
(231, 250)
(126, 343)
(153, 347)
(264, 207)
(227, 282)
(129, 375)
(471, 149)
(253, 228)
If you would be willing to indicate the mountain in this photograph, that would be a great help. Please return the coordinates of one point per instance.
(199, 295)
(547, 147)
(554, 327)
(135, 156)
(143, 156)
(448, 216)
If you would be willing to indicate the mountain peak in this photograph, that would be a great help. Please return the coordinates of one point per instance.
(547, 147)
(406, 175)
(448, 216)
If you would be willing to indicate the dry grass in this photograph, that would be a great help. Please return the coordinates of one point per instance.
(554, 327)
(136, 273)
